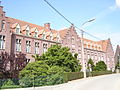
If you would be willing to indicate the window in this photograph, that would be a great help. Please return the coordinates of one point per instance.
(18, 29)
(3, 25)
(2, 42)
(28, 46)
(44, 48)
(27, 31)
(51, 37)
(36, 47)
(58, 39)
(36, 35)
(43, 36)
(18, 44)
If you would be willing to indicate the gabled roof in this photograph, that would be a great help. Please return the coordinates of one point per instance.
(22, 23)
(63, 32)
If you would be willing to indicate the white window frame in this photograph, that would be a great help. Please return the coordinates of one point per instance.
(44, 47)
(2, 42)
(36, 47)
(28, 46)
(18, 45)
(18, 29)
(3, 25)
(27, 31)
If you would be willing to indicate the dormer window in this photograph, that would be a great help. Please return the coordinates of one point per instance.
(18, 29)
(36, 33)
(43, 35)
(51, 37)
(27, 31)
(3, 25)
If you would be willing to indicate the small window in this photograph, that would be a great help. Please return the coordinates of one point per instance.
(36, 47)
(18, 45)
(2, 42)
(28, 46)
(44, 48)
(3, 25)
(18, 29)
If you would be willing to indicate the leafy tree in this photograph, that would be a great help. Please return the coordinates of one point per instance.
(90, 62)
(100, 66)
(39, 74)
(34, 72)
(16, 62)
(62, 57)
(55, 75)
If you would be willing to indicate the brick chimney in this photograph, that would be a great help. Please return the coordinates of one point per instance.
(47, 26)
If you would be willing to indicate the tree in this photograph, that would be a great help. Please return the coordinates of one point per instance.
(62, 57)
(100, 66)
(91, 64)
(39, 74)
(11, 64)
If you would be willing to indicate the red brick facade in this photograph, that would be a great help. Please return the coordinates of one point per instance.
(20, 36)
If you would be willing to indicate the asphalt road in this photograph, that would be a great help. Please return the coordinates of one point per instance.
(104, 82)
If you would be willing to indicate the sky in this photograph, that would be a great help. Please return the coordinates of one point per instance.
(106, 13)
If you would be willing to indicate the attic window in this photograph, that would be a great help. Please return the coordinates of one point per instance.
(27, 31)
(3, 25)
(18, 29)
(36, 33)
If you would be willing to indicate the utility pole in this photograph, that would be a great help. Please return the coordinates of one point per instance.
(82, 47)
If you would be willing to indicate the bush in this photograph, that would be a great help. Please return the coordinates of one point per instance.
(97, 73)
(68, 76)
(34, 74)
(55, 75)
(100, 66)
(9, 83)
(40, 74)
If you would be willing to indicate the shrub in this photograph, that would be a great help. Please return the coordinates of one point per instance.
(55, 75)
(34, 73)
(100, 66)
(68, 76)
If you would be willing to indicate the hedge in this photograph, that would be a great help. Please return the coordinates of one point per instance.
(68, 76)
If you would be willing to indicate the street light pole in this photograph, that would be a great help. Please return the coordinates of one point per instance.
(82, 54)
(82, 47)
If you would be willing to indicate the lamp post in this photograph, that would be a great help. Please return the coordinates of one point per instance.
(82, 47)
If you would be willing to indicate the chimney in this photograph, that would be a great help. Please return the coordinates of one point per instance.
(47, 26)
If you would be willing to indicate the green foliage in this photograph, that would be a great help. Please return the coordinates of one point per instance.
(60, 56)
(100, 66)
(34, 72)
(97, 73)
(90, 62)
(68, 76)
(55, 75)
(8, 83)
(40, 74)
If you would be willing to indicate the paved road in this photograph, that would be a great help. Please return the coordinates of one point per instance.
(105, 82)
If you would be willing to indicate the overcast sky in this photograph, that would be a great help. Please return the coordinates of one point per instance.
(106, 12)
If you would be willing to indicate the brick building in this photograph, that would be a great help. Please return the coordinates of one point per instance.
(20, 36)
